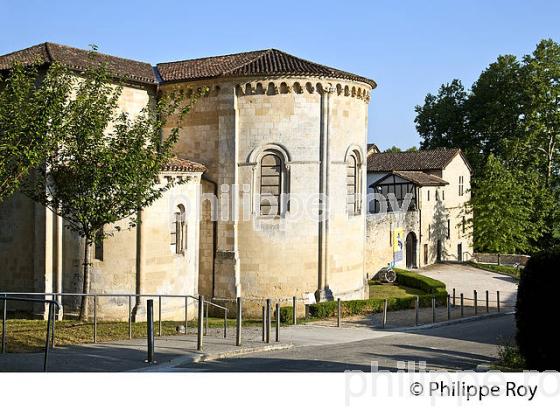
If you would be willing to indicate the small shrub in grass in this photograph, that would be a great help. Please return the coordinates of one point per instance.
(535, 311)
(286, 314)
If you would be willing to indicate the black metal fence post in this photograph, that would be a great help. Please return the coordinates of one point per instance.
(50, 318)
(448, 307)
(462, 306)
(4, 323)
(498, 299)
(150, 329)
(94, 319)
(263, 323)
(159, 316)
(278, 322)
(130, 317)
(384, 313)
(268, 319)
(475, 294)
(339, 312)
(433, 309)
(238, 321)
(225, 323)
(487, 304)
(416, 311)
(200, 322)
(294, 311)
(454, 304)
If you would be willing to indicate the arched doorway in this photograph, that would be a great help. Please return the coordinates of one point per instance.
(411, 250)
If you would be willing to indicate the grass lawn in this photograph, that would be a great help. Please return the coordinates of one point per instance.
(388, 290)
(29, 335)
(503, 269)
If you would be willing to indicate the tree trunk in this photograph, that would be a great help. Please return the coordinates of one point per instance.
(84, 306)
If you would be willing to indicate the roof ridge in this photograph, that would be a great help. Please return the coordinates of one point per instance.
(216, 56)
(96, 52)
(261, 54)
(24, 49)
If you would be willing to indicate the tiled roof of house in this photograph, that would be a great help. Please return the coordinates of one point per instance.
(176, 164)
(78, 59)
(269, 62)
(423, 160)
(421, 178)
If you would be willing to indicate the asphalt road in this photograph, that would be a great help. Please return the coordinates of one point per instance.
(455, 347)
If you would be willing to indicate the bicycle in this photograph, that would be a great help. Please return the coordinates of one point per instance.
(387, 274)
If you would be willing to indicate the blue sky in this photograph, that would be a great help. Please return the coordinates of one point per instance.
(408, 47)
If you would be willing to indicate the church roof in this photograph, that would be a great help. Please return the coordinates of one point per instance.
(78, 59)
(423, 160)
(176, 164)
(269, 62)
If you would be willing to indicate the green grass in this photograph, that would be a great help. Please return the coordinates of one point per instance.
(29, 335)
(389, 290)
(503, 269)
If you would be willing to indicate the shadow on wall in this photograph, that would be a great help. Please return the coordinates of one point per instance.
(439, 231)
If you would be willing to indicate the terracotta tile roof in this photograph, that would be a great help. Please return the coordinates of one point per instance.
(269, 62)
(78, 59)
(421, 178)
(423, 160)
(176, 164)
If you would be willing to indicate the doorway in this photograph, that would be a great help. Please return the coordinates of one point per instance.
(460, 252)
(411, 250)
(438, 255)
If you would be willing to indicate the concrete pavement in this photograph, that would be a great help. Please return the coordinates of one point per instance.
(465, 279)
(461, 346)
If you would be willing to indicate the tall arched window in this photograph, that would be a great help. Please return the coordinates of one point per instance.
(353, 183)
(271, 170)
(179, 231)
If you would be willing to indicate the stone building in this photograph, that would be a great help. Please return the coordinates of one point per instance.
(275, 134)
(37, 253)
(434, 225)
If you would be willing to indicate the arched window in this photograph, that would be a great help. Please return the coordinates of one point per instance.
(353, 183)
(271, 170)
(179, 231)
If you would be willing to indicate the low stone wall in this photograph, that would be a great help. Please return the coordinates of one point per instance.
(501, 259)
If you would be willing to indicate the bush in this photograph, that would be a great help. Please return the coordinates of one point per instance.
(536, 302)
(286, 314)
(415, 280)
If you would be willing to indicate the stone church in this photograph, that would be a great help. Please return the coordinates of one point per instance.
(280, 141)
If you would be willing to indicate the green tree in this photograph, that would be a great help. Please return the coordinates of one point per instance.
(512, 112)
(441, 121)
(107, 163)
(503, 210)
(394, 148)
(541, 75)
(25, 144)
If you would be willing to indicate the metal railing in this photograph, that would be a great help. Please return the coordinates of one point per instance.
(49, 339)
(57, 297)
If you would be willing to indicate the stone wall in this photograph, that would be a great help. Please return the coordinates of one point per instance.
(280, 257)
(379, 239)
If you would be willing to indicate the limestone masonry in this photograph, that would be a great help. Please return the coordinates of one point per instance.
(274, 138)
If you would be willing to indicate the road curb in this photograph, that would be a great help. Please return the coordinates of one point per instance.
(205, 357)
(450, 322)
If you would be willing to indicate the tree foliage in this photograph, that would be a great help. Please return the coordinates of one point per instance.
(106, 164)
(503, 210)
(512, 112)
(25, 144)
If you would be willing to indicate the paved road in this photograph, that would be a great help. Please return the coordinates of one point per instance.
(465, 279)
(455, 347)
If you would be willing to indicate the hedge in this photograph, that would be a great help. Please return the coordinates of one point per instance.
(368, 306)
(415, 280)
